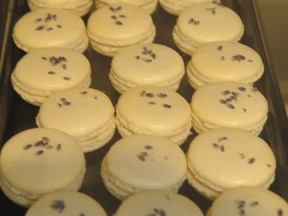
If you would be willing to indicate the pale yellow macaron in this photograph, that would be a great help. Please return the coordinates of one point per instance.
(50, 27)
(143, 162)
(229, 104)
(146, 64)
(38, 161)
(179, 6)
(249, 201)
(80, 7)
(224, 158)
(87, 114)
(66, 203)
(53, 69)
(204, 23)
(224, 61)
(112, 28)
(148, 5)
(154, 110)
(158, 202)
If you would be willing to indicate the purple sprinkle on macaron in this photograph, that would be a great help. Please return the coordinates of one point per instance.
(193, 21)
(58, 205)
(28, 146)
(219, 48)
(142, 156)
(162, 95)
(251, 160)
(168, 106)
(51, 72)
(40, 152)
(280, 212)
(148, 147)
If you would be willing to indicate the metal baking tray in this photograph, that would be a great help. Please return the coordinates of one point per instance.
(16, 115)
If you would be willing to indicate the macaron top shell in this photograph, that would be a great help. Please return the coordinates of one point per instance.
(226, 157)
(249, 201)
(227, 60)
(66, 203)
(152, 108)
(38, 161)
(147, 64)
(77, 111)
(230, 104)
(208, 22)
(158, 202)
(146, 162)
(49, 27)
(67, 3)
(119, 22)
(53, 69)
(149, 5)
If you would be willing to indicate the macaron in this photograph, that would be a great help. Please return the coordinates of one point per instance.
(224, 158)
(54, 69)
(112, 28)
(80, 7)
(143, 162)
(38, 161)
(50, 27)
(224, 61)
(154, 110)
(249, 201)
(146, 64)
(206, 22)
(148, 5)
(158, 202)
(86, 114)
(66, 203)
(177, 7)
(229, 104)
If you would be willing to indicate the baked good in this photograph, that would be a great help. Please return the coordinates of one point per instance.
(80, 7)
(158, 202)
(224, 61)
(146, 64)
(249, 201)
(148, 5)
(154, 110)
(206, 22)
(86, 114)
(177, 7)
(143, 162)
(38, 161)
(66, 203)
(112, 28)
(229, 104)
(53, 69)
(224, 158)
(50, 27)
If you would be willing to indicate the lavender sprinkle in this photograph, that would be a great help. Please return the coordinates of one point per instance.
(58, 205)
(142, 156)
(251, 160)
(40, 152)
(26, 147)
(168, 106)
(219, 48)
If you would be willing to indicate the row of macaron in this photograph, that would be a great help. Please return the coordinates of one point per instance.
(81, 7)
(113, 27)
(89, 115)
(39, 161)
(251, 200)
(141, 64)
